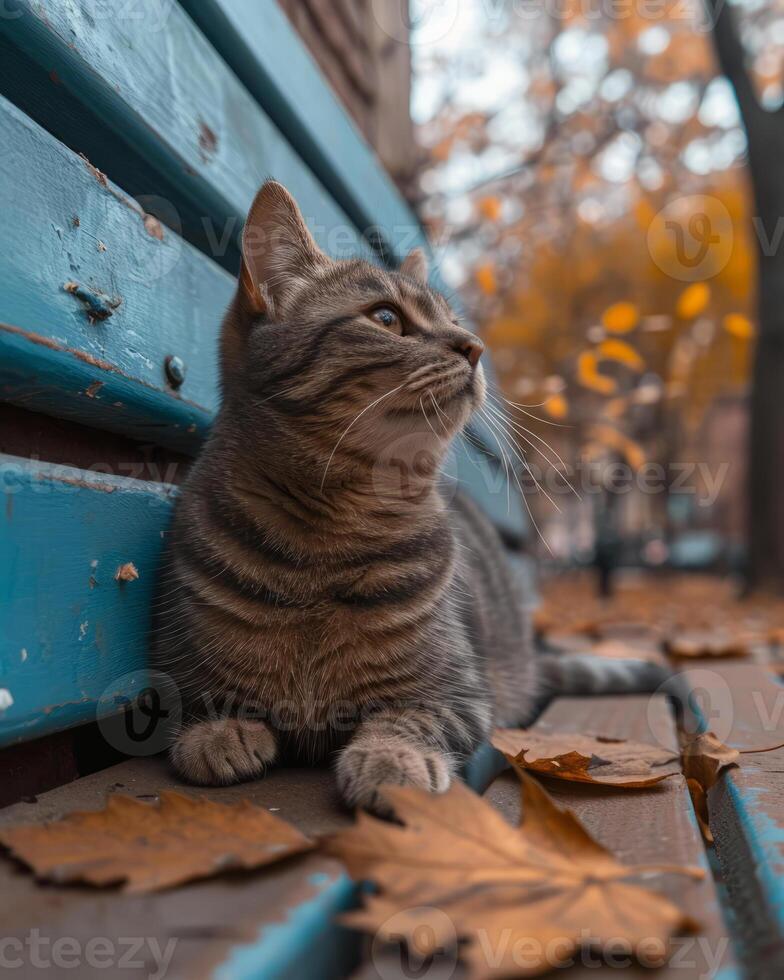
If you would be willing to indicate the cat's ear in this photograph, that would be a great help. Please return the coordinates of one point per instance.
(415, 264)
(277, 248)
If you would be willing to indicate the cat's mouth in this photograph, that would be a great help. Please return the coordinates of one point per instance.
(460, 385)
(452, 390)
(448, 381)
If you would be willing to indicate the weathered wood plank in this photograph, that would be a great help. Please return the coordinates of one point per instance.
(63, 224)
(744, 705)
(170, 115)
(212, 144)
(277, 924)
(72, 638)
(650, 826)
(256, 39)
(639, 827)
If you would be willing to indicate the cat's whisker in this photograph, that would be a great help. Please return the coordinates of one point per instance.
(527, 435)
(424, 415)
(351, 426)
(527, 505)
(536, 418)
(507, 465)
(524, 433)
(519, 454)
(441, 413)
(418, 372)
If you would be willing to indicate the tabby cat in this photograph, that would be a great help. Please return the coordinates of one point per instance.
(321, 599)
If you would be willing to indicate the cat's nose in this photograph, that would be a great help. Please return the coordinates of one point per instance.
(471, 348)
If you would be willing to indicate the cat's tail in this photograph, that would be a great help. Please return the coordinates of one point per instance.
(578, 674)
(568, 674)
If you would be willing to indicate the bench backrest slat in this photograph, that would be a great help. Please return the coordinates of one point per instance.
(73, 639)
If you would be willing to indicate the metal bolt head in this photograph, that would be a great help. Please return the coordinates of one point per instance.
(175, 370)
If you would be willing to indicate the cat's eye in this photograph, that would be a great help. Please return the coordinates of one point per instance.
(387, 317)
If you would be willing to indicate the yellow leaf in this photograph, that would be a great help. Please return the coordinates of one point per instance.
(693, 300)
(619, 350)
(486, 278)
(588, 374)
(615, 408)
(620, 317)
(557, 407)
(739, 326)
(490, 208)
(632, 451)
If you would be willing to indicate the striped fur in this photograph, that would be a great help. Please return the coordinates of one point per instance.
(320, 598)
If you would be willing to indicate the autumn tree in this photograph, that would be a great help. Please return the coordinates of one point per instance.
(765, 135)
(562, 152)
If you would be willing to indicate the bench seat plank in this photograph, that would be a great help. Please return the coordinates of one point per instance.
(72, 638)
(743, 704)
(653, 826)
(275, 925)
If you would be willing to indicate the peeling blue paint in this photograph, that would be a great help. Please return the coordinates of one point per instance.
(307, 943)
(765, 839)
(51, 619)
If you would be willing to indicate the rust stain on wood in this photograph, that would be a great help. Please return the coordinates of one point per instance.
(83, 356)
(127, 573)
(74, 481)
(208, 141)
(153, 227)
(99, 175)
(99, 305)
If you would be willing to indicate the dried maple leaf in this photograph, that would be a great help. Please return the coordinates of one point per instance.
(457, 868)
(587, 759)
(151, 847)
(704, 759)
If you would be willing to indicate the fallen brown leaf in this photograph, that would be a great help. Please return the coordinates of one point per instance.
(694, 645)
(151, 847)
(704, 759)
(586, 759)
(459, 869)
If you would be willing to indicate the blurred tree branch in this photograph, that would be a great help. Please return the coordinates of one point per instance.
(765, 136)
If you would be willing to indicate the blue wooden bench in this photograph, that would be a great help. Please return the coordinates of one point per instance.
(98, 293)
(132, 140)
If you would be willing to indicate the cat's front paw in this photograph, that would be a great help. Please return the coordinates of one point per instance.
(220, 752)
(366, 765)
